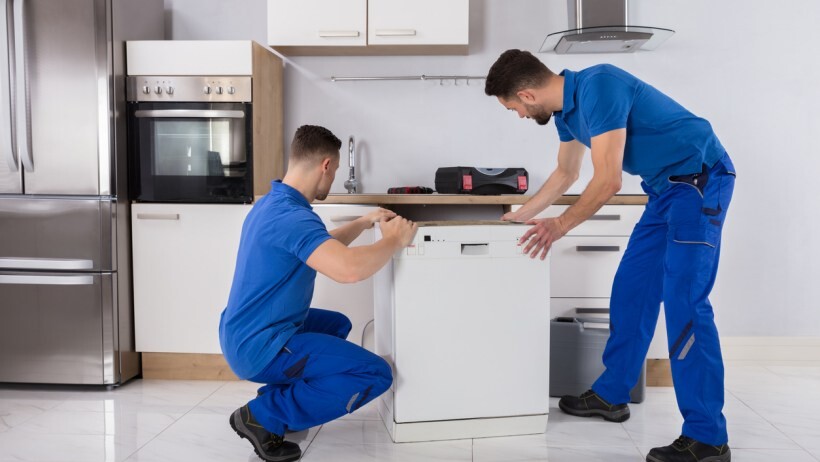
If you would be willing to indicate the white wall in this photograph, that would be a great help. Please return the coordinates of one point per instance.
(749, 67)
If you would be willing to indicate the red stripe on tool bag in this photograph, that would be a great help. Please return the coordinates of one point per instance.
(467, 181)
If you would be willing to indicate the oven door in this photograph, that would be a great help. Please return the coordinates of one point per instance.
(191, 152)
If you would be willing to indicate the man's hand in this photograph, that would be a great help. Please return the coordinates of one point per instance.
(519, 216)
(541, 236)
(376, 216)
(400, 229)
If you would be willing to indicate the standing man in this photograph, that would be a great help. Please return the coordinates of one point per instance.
(268, 332)
(672, 256)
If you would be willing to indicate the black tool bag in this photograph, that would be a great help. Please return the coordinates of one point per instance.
(481, 181)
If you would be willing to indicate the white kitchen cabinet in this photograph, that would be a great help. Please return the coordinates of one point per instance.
(368, 27)
(326, 23)
(184, 259)
(418, 22)
(354, 300)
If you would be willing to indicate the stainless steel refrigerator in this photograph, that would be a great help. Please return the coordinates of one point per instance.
(66, 313)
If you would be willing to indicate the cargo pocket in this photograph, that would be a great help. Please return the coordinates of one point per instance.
(696, 235)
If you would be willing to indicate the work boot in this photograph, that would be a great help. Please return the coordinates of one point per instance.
(589, 404)
(268, 446)
(685, 449)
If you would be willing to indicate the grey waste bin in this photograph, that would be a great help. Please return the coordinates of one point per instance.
(576, 348)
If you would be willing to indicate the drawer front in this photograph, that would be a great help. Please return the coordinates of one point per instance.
(610, 220)
(585, 266)
(568, 306)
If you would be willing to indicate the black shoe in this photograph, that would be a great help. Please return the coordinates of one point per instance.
(267, 445)
(589, 404)
(686, 449)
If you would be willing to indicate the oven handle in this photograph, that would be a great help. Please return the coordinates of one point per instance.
(190, 113)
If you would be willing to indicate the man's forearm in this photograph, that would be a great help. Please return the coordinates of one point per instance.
(556, 185)
(368, 259)
(348, 232)
(597, 193)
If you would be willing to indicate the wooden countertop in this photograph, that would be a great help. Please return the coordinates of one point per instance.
(461, 199)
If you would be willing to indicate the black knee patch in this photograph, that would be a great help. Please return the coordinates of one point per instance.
(296, 371)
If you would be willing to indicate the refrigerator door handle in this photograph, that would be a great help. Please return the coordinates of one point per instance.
(21, 87)
(6, 94)
(46, 280)
(45, 264)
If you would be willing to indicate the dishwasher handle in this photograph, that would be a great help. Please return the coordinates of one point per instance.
(475, 249)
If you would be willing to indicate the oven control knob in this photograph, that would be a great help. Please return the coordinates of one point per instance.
(231, 90)
(218, 90)
(158, 90)
(146, 89)
(206, 90)
(170, 90)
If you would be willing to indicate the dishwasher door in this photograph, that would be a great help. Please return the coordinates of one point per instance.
(471, 326)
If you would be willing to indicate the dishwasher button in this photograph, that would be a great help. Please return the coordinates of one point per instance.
(412, 250)
(421, 249)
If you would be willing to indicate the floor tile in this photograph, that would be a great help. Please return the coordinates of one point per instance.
(511, 448)
(458, 450)
(14, 412)
(758, 436)
(568, 454)
(164, 421)
(585, 433)
(18, 446)
(354, 432)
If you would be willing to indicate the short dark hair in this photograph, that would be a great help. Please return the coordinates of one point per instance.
(312, 143)
(513, 71)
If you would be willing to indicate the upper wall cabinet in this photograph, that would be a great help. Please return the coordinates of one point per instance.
(369, 27)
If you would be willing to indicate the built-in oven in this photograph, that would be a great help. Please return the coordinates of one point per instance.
(190, 139)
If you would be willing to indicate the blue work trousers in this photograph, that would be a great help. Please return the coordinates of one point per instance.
(672, 257)
(318, 377)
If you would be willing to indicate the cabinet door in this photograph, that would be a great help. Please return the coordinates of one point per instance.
(610, 220)
(354, 300)
(184, 259)
(418, 22)
(317, 22)
(585, 266)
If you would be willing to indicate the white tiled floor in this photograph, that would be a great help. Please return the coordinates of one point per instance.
(773, 410)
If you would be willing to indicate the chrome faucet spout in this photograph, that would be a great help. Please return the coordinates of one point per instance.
(351, 184)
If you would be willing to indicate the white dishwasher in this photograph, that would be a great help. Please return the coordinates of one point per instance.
(463, 317)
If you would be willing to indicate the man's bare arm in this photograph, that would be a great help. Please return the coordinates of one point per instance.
(570, 155)
(352, 264)
(607, 161)
(348, 232)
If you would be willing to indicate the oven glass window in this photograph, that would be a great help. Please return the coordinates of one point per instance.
(200, 147)
(191, 152)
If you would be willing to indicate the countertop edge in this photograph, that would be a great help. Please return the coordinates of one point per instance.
(462, 199)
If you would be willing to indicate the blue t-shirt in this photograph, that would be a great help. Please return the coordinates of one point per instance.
(272, 285)
(662, 137)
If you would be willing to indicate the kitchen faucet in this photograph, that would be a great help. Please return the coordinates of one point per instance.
(351, 184)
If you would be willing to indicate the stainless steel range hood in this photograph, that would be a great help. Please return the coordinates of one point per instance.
(601, 26)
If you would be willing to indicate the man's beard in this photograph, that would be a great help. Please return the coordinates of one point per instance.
(322, 195)
(538, 114)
